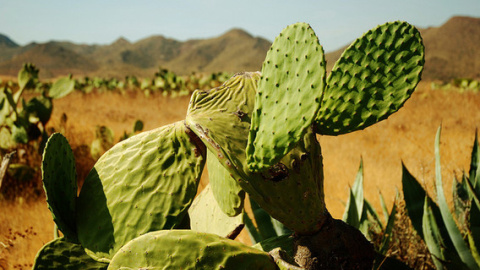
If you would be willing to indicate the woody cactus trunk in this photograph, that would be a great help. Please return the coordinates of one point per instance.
(258, 134)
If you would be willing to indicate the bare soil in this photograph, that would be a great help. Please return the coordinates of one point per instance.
(406, 136)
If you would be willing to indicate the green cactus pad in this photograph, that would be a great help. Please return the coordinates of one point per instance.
(372, 79)
(60, 184)
(226, 190)
(62, 87)
(185, 249)
(61, 254)
(288, 96)
(292, 191)
(142, 184)
(206, 215)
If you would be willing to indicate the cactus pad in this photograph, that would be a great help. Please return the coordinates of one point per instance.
(225, 189)
(60, 183)
(288, 95)
(142, 184)
(61, 254)
(206, 215)
(292, 191)
(185, 249)
(372, 79)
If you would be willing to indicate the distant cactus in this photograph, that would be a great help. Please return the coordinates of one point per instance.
(260, 133)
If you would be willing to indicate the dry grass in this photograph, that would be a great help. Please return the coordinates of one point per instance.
(408, 135)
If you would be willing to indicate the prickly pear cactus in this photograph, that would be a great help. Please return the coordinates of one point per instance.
(62, 254)
(184, 249)
(60, 184)
(207, 216)
(291, 191)
(288, 95)
(142, 184)
(225, 189)
(372, 79)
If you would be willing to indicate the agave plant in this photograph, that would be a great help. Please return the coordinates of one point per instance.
(258, 134)
(451, 246)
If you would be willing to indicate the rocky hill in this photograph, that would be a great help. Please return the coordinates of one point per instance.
(452, 51)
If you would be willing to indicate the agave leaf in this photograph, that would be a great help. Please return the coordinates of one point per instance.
(384, 206)
(388, 229)
(432, 236)
(455, 234)
(350, 216)
(474, 172)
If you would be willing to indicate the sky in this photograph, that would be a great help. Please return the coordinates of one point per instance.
(336, 22)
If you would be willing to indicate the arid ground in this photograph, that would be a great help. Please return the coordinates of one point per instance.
(406, 136)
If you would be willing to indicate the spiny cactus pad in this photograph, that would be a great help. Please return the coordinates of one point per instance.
(292, 191)
(288, 95)
(206, 215)
(142, 184)
(225, 189)
(62, 254)
(60, 183)
(372, 79)
(185, 249)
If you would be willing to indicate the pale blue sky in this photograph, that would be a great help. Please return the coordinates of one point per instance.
(337, 23)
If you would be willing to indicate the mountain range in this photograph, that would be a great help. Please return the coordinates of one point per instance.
(452, 50)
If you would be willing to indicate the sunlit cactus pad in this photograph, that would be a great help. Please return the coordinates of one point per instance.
(142, 184)
(372, 79)
(288, 96)
(185, 249)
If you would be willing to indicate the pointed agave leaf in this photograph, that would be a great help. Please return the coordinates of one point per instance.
(225, 189)
(351, 216)
(60, 184)
(373, 213)
(384, 206)
(288, 96)
(412, 191)
(455, 234)
(388, 229)
(473, 230)
(432, 236)
(207, 216)
(474, 172)
(372, 79)
(142, 184)
(357, 189)
(62, 254)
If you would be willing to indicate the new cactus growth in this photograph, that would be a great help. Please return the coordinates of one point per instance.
(260, 130)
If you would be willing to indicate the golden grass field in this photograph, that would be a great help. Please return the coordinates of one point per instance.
(406, 136)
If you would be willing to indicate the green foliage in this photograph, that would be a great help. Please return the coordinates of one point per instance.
(140, 190)
(288, 95)
(372, 79)
(184, 249)
(437, 224)
(62, 254)
(207, 216)
(60, 184)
